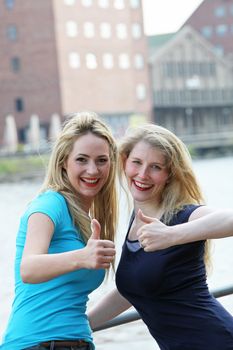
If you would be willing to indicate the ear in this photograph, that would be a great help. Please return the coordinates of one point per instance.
(64, 166)
(124, 159)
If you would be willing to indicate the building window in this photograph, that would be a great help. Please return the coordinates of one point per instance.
(108, 61)
(15, 64)
(103, 3)
(168, 69)
(12, 32)
(207, 31)
(221, 30)
(141, 92)
(231, 9)
(220, 11)
(9, 4)
(105, 30)
(87, 3)
(124, 61)
(91, 61)
(119, 4)
(121, 31)
(69, 2)
(212, 68)
(135, 4)
(219, 50)
(71, 29)
(19, 105)
(136, 31)
(89, 30)
(139, 61)
(74, 60)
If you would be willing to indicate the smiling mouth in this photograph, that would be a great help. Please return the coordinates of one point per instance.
(90, 182)
(141, 187)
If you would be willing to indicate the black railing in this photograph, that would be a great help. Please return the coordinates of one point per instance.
(133, 315)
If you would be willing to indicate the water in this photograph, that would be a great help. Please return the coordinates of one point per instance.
(215, 176)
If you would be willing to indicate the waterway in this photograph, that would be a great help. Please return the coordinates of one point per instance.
(216, 179)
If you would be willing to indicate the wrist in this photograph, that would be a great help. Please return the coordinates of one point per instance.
(176, 235)
(78, 260)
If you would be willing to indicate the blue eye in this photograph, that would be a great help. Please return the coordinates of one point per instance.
(81, 159)
(102, 161)
(156, 167)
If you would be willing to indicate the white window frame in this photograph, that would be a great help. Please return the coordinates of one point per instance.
(135, 4)
(121, 31)
(91, 61)
(108, 62)
(139, 62)
(89, 29)
(87, 3)
(119, 4)
(74, 60)
(141, 92)
(69, 2)
(136, 30)
(103, 3)
(124, 61)
(71, 29)
(105, 30)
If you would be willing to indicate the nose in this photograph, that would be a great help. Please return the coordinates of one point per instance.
(92, 168)
(143, 172)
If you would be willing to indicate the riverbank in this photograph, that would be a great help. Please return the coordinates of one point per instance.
(23, 167)
(218, 193)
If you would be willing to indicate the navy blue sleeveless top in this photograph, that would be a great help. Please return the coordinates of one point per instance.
(168, 288)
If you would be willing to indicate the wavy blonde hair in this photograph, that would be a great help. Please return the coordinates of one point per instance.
(182, 186)
(104, 206)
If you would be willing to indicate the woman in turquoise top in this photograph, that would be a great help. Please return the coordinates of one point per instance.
(61, 256)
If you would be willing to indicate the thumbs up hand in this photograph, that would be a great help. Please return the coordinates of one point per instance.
(153, 235)
(100, 253)
(96, 229)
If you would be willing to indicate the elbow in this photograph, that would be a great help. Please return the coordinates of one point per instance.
(26, 273)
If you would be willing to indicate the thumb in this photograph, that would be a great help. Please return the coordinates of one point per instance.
(144, 218)
(96, 229)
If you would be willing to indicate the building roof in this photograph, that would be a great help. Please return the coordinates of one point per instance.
(156, 41)
(180, 36)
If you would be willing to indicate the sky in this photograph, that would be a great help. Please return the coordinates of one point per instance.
(166, 16)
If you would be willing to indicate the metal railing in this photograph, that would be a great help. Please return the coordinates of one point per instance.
(133, 315)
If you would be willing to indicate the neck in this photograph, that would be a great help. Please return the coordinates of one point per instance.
(86, 206)
(152, 209)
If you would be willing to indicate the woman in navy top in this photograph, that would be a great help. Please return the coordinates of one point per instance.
(167, 287)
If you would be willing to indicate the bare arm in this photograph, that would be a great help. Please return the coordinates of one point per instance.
(38, 266)
(109, 307)
(204, 223)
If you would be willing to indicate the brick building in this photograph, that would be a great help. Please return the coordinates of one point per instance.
(214, 20)
(61, 56)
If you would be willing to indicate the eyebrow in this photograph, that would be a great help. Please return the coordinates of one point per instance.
(157, 163)
(86, 155)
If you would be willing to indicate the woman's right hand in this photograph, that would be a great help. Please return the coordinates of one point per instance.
(38, 266)
(99, 253)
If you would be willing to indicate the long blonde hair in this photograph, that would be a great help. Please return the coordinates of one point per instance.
(104, 207)
(182, 186)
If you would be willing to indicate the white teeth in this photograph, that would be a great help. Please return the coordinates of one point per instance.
(90, 181)
(141, 185)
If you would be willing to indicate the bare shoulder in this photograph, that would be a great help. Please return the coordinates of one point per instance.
(201, 211)
(216, 213)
